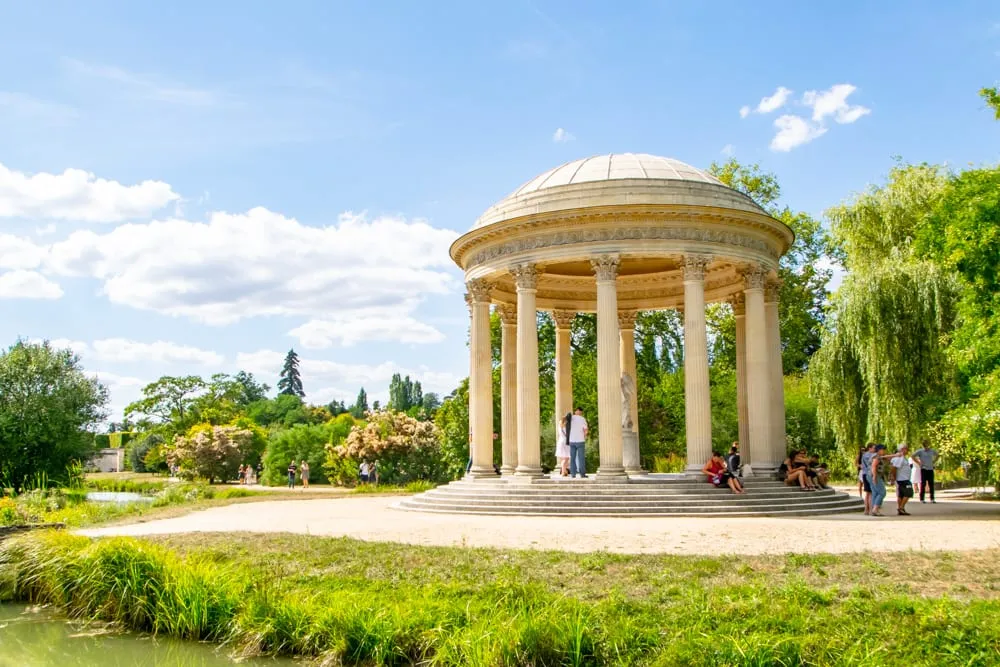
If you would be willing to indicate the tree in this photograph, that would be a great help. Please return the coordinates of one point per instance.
(360, 406)
(405, 448)
(140, 450)
(307, 443)
(284, 410)
(47, 405)
(210, 452)
(169, 399)
(336, 408)
(992, 98)
(290, 381)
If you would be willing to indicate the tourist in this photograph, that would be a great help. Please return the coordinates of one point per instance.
(860, 468)
(718, 476)
(363, 471)
(822, 473)
(904, 486)
(291, 475)
(304, 473)
(373, 473)
(926, 458)
(562, 444)
(792, 475)
(866, 470)
(242, 474)
(876, 478)
(577, 437)
(259, 471)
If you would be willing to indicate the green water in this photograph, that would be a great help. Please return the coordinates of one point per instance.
(33, 638)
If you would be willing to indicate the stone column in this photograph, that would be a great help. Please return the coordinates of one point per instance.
(528, 443)
(778, 445)
(739, 313)
(481, 381)
(508, 387)
(758, 373)
(697, 399)
(630, 439)
(564, 364)
(609, 370)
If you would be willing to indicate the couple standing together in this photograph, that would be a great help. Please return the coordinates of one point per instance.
(570, 441)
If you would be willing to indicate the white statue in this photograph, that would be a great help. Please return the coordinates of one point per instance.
(628, 391)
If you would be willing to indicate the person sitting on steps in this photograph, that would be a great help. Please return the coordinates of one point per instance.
(717, 474)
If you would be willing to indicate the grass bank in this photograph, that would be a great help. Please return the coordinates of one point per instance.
(353, 602)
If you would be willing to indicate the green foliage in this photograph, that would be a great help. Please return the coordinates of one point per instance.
(290, 380)
(360, 407)
(304, 443)
(140, 449)
(404, 394)
(47, 405)
(452, 420)
(992, 98)
(284, 410)
(406, 449)
(102, 441)
(211, 452)
(169, 399)
(119, 439)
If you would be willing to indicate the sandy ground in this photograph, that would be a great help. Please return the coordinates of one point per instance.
(952, 525)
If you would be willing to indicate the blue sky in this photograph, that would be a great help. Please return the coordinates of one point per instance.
(248, 177)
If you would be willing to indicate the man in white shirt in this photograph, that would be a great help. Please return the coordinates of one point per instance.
(577, 440)
(904, 488)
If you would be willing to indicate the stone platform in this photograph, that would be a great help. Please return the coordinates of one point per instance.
(643, 495)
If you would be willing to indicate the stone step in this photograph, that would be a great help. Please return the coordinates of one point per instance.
(560, 503)
(702, 511)
(782, 492)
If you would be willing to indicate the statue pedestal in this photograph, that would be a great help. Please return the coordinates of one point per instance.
(630, 452)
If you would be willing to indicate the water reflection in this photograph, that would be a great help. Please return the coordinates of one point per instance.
(36, 638)
(117, 497)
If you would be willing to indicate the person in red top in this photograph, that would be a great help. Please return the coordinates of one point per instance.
(717, 474)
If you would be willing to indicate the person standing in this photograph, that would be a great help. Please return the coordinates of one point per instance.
(866, 474)
(562, 444)
(363, 470)
(876, 477)
(578, 430)
(260, 472)
(373, 473)
(291, 475)
(926, 458)
(904, 487)
(304, 473)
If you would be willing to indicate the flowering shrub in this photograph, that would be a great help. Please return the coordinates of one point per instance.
(405, 448)
(210, 452)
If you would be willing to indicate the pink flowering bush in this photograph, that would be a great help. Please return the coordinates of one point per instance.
(211, 452)
(405, 448)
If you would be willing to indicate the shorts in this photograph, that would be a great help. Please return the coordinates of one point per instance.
(868, 484)
(904, 489)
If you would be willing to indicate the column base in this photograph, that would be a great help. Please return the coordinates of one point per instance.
(479, 472)
(507, 471)
(606, 474)
(528, 473)
(765, 470)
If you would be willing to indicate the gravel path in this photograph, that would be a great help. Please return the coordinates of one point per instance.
(951, 525)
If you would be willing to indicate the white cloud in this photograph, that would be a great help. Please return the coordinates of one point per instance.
(775, 101)
(561, 136)
(17, 252)
(794, 131)
(78, 195)
(744, 111)
(261, 263)
(377, 324)
(833, 102)
(21, 284)
(121, 350)
(728, 150)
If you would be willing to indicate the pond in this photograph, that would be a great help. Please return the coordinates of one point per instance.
(30, 637)
(117, 497)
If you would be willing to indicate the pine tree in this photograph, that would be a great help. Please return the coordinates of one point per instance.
(360, 406)
(290, 381)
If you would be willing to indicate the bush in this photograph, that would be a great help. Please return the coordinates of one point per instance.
(136, 454)
(102, 441)
(307, 443)
(210, 452)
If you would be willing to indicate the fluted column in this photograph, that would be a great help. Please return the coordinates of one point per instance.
(630, 439)
(739, 313)
(481, 381)
(508, 388)
(528, 444)
(778, 445)
(609, 370)
(758, 373)
(697, 396)
(564, 364)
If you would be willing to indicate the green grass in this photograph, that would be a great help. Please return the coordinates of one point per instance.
(352, 602)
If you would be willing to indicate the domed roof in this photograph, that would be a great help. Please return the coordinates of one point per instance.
(616, 178)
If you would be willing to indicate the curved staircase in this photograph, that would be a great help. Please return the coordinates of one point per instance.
(640, 496)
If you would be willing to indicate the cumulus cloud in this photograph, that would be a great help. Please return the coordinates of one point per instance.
(794, 131)
(121, 350)
(744, 111)
(21, 284)
(377, 324)
(775, 101)
(17, 252)
(561, 136)
(833, 102)
(78, 195)
(261, 263)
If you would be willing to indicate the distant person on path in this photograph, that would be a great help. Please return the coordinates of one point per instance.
(860, 468)
(363, 471)
(291, 475)
(866, 472)
(373, 473)
(562, 444)
(578, 430)
(926, 458)
(877, 480)
(904, 487)
(260, 471)
(718, 476)
(304, 473)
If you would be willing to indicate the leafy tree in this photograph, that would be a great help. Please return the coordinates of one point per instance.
(169, 399)
(290, 381)
(137, 454)
(405, 448)
(47, 405)
(430, 403)
(283, 410)
(304, 442)
(992, 98)
(360, 406)
(210, 452)
(452, 420)
(336, 408)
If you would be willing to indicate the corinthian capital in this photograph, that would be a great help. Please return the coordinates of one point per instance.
(754, 276)
(563, 318)
(525, 276)
(507, 313)
(695, 265)
(605, 267)
(480, 290)
(626, 319)
(739, 303)
(771, 291)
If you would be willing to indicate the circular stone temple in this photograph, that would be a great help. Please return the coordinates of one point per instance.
(614, 235)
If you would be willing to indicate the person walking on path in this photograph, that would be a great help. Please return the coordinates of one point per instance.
(904, 487)
(291, 475)
(578, 430)
(304, 473)
(926, 458)
(877, 480)
(866, 474)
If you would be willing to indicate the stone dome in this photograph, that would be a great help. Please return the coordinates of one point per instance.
(617, 178)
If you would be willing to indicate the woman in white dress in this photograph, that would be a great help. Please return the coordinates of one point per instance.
(562, 445)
